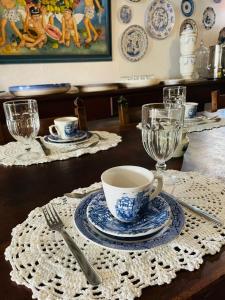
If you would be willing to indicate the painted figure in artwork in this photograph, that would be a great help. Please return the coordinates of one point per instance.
(11, 15)
(69, 28)
(89, 12)
(34, 27)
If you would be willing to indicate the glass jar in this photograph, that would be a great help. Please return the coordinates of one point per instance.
(201, 60)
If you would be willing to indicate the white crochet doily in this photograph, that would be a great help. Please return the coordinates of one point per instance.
(41, 260)
(10, 151)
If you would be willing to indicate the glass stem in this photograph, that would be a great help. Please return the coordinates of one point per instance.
(160, 167)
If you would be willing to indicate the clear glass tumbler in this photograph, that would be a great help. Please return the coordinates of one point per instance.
(174, 95)
(23, 123)
(161, 132)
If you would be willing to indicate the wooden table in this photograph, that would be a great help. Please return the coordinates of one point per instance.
(24, 188)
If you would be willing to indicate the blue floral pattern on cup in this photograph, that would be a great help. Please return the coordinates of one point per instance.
(127, 207)
(70, 130)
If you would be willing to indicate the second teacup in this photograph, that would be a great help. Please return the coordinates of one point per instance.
(127, 189)
(64, 128)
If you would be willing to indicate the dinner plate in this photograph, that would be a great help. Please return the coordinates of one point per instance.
(159, 19)
(81, 135)
(39, 89)
(140, 83)
(152, 218)
(163, 236)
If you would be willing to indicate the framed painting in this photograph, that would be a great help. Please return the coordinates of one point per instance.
(37, 31)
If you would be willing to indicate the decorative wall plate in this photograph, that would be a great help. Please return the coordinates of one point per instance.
(187, 7)
(209, 18)
(134, 43)
(189, 23)
(125, 14)
(159, 19)
(217, 1)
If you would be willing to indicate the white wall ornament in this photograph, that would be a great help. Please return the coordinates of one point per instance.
(159, 19)
(134, 43)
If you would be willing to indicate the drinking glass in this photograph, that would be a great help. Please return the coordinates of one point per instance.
(161, 132)
(174, 95)
(23, 123)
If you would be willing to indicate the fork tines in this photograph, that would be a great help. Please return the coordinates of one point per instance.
(51, 214)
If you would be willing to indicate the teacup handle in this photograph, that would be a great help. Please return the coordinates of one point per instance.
(52, 132)
(159, 187)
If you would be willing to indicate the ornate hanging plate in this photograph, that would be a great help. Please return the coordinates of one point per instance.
(134, 43)
(159, 19)
(189, 23)
(187, 7)
(125, 14)
(209, 18)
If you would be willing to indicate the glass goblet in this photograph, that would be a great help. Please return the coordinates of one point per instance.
(174, 95)
(23, 123)
(161, 132)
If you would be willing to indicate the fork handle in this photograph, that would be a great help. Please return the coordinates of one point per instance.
(89, 272)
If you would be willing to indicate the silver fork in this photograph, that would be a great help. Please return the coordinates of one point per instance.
(55, 223)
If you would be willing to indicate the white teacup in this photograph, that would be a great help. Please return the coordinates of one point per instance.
(190, 110)
(127, 189)
(65, 127)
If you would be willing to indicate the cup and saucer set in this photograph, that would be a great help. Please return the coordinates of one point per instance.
(131, 212)
(65, 132)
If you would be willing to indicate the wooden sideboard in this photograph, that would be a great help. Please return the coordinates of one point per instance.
(102, 105)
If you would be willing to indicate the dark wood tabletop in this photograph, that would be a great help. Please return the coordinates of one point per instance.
(25, 188)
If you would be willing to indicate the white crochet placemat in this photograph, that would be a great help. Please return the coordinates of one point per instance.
(41, 260)
(102, 141)
(206, 124)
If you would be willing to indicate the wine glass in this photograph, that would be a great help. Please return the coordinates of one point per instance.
(161, 132)
(174, 95)
(23, 123)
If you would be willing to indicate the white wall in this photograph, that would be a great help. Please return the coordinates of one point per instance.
(161, 59)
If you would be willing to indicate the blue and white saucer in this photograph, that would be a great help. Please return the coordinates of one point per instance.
(163, 236)
(152, 218)
(80, 135)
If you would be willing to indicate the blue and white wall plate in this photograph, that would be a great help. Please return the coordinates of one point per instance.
(152, 218)
(134, 43)
(168, 233)
(125, 14)
(187, 7)
(159, 19)
(209, 18)
(81, 135)
(189, 23)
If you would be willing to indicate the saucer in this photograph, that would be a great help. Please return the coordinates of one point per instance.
(152, 218)
(80, 135)
(165, 235)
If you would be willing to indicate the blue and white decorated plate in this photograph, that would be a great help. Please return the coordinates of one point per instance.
(165, 235)
(152, 218)
(79, 136)
(187, 7)
(125, 14)
(189, 24)
(159, 19)
(209, 18)
(134, 43)
(39, 89)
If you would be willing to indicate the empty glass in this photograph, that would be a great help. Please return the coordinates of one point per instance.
(161, 131)
(23, 123)
(174, 95)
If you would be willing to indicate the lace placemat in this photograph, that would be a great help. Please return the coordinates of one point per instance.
(201, 126)
(102, 141)
(41, 261)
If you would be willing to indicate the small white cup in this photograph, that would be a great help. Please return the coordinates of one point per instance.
(127, 189)
(65, 127)
(190, 110)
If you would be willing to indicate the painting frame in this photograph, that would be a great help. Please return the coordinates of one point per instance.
(88, 54)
